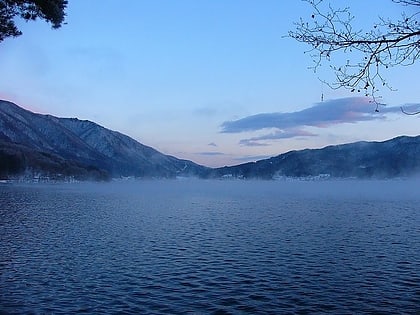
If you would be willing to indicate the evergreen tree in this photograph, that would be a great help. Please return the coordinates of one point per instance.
(52, 11)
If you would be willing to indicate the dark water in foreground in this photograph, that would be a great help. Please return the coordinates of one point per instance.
(211, 247)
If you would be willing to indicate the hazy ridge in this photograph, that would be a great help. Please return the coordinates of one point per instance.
(398, 157)
(35, 145)
(61, 147)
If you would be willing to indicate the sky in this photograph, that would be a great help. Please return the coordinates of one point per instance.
(213, 81)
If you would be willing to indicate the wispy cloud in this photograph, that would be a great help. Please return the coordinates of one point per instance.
(253, 142)
(345, 110)
(278, 134)
(321, 115)
(210, 153)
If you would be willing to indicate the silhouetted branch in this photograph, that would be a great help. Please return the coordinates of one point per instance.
(330, 32)
(410, 113)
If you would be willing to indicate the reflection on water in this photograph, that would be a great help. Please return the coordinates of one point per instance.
(201, 247)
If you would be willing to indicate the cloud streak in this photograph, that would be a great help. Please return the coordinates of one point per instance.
(332, 112)
(210, 153)
(321, 115)
(277, 135)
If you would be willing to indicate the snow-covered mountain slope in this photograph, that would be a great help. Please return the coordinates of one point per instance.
(398, 157)
(86, 144)
(45, 144)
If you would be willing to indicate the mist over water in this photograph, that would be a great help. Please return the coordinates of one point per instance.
(204, 247)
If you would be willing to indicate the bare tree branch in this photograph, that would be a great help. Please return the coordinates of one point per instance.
(410, 113)
(330, 32)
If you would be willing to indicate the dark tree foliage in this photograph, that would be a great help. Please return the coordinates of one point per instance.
(52, 11)
(366, 53)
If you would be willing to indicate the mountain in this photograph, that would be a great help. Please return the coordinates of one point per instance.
(398, 157)
(68, 147)
(33, 145)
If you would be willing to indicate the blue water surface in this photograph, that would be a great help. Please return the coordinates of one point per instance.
(210, 247)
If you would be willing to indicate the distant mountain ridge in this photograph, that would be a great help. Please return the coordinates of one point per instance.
(398, 157)
(49, 145)
(34, 145)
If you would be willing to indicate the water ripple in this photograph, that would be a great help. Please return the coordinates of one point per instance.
(208, 248)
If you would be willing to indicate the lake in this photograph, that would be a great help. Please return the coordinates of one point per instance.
(211, 247)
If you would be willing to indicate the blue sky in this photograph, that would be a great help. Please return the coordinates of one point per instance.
(213, 81)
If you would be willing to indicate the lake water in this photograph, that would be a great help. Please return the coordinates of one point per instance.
(211, 247)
